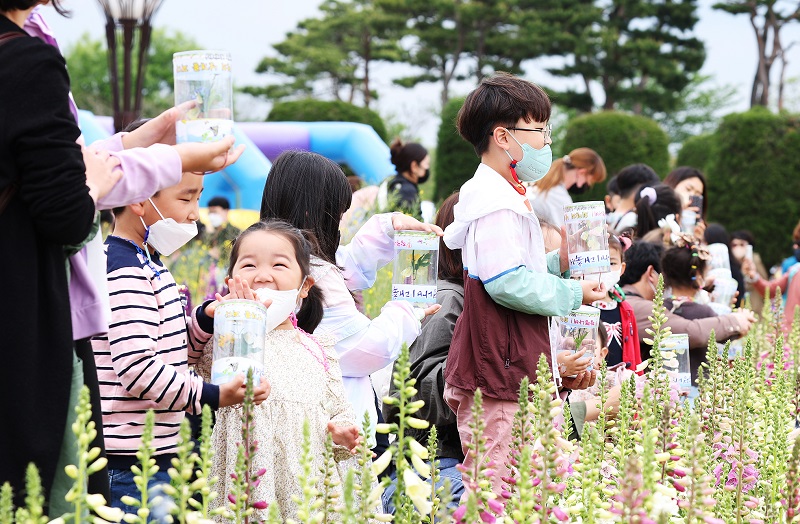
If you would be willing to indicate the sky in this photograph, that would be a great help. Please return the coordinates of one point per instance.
(247, 28)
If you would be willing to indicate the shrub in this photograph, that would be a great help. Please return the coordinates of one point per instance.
(326, 111)
(697, 151)
(752, 178)
(455, 161)
(621, 139)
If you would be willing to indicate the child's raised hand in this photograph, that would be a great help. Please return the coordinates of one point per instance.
(232, 393)
(345, 436)
(570, 364)
(402, 222)
(238, 288)
(583, 380)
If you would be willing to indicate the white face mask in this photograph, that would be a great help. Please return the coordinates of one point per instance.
(166, 235)
(215, 219)
(283, 304)
(610, 279)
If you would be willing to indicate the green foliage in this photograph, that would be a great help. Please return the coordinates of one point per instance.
(326, 111)
(642, 53)
(751, 178)
(697, 151)
(620, 139)
(455, 161)
(336, 49)
(87, 61)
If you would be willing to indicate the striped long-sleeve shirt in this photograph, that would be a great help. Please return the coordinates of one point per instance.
(144, 361)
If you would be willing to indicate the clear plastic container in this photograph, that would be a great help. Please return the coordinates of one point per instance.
(719, 257)
(416, 265)
(688, 221)
(675, 352)
(587, 242)
(204, 77)
(577, 331)
(725, 289)
(240, 327)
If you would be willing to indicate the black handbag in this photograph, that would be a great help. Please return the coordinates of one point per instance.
(7, 193)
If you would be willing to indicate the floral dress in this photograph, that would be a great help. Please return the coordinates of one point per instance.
(306, 384)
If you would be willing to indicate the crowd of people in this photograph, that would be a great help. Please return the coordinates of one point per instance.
(110, 315)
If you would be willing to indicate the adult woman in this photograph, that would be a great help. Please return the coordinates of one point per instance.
(625, 187)
(312, 193)
(413, 168)
(688, 183)
(574, 173)
(48, 204)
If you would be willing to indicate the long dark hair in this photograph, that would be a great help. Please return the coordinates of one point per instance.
(679, 174)
(451, 267)
(649, 213)
(310, 314)
(311, 193)
(21, 5)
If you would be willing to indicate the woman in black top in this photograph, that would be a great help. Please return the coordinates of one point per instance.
(413, 168)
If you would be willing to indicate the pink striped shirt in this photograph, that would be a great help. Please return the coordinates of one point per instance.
(144, 361)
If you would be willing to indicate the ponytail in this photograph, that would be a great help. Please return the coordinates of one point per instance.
(311, 311)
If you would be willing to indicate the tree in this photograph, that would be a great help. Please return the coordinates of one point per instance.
(767, 17)
(640, 52)
(456, 160)
(337, 49)
(88, 70)
(451, 40)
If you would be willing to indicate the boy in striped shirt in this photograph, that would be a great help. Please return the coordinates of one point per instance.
(144, 361)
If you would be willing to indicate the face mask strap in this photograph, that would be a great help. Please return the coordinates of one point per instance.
(154, 207)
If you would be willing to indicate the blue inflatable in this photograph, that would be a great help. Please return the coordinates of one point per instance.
(357, 145)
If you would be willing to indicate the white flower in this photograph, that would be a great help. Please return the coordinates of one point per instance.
(417, 491)
(422, 468)
(382, 462)
(418, 449)
(109, 514)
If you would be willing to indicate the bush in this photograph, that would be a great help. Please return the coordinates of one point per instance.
(326, 111)
(455, 157)
(697, 152)
(752, 178)
(621, 139)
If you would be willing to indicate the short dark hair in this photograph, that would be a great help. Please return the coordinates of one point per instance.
(451, 266)
(638, 258)
(634, 176)
(8, 5)
(311, 193)
(405, 153)
(612, 188)
(717, 234)
(746, 235)
(679, 174)
(219, 201)
(677, 263)
(500, 99)
(310, 314)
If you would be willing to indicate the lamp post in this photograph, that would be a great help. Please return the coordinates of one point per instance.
(128, 28)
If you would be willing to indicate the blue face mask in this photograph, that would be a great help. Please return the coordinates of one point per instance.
(535, 163)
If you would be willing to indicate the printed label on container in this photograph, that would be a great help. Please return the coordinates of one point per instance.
(590, 262)
(422, 241)
(575, 213)
(224, 369)
(203, 130)
(413, 293)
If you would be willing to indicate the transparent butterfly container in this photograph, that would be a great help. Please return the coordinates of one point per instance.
(578, 331)
(240, 327)
(416, 265)
(587, 243)
(205, 78)
(675, 354)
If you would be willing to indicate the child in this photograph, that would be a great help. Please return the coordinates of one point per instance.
(617, 314)
(272, 260)
(510, 286)
(143, 362)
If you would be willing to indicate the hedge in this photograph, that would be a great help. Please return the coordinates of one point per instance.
(455, 161)
(326, 111)
(697, 151)
(620, 139)
(752, 178)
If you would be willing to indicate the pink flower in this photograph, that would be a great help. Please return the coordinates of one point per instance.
(260, 505)
(560, 514)
(458, 514)
(488, 518)
(496, 506)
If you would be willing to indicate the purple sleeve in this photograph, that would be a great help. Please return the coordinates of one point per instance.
(146, 171)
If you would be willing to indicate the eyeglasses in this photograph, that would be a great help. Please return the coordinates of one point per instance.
(546, 131)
